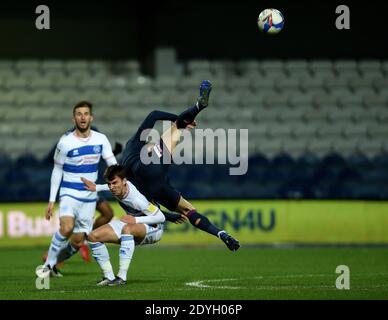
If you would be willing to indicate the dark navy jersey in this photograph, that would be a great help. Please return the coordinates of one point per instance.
(131, 153)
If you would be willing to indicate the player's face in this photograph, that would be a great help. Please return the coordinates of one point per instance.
(82, 118)
(117, 186)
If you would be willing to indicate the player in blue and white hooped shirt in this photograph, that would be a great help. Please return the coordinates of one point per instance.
(142, 224)
(77, 155)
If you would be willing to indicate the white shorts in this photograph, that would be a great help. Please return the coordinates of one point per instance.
(154, 233)
(83, 213)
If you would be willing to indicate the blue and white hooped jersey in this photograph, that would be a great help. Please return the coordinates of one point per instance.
(79, 158)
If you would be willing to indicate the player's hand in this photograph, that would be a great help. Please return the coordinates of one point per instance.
(89, 185)
(181, 219)
(192, 125)
(49, 210)
(128, 219)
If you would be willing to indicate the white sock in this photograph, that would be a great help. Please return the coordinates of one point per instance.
(58, 242)
(101, 254)
(127, 248)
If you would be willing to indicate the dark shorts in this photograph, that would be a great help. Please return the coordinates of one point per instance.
(153, 182)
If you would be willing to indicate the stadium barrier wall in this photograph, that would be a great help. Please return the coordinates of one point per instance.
(251, 221)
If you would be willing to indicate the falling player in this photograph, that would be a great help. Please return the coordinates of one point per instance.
(152, 179)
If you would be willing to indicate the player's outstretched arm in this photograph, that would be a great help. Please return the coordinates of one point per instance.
(89, 185)
(174, 217)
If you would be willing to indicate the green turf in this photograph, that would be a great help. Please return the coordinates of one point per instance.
(163, 273)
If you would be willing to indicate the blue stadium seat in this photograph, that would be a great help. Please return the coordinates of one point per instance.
(5, 161)
(27, 160)
(15, 175)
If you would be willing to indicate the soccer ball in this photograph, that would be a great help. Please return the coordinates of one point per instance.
(270, 21)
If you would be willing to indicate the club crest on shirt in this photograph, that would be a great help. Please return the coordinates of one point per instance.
(75, 152)
(97, 149)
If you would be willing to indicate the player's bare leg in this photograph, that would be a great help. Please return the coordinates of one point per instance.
(106, 215)
(58, 242)
(97, 239)
(171, 137)
(131, 234)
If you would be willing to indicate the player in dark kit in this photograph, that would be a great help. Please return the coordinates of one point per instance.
(152, 179)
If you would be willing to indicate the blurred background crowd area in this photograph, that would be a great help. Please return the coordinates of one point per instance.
(317, 128)
(313, 98)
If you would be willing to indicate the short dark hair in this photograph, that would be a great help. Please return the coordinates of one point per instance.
(83, 104)
(113, 171)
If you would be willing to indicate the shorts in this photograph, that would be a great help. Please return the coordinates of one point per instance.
(154, 232)
(153, 182)
(83, 213)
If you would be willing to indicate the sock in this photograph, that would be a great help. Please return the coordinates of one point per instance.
(127, 248)
(66, 252)
(101, 254)
(219, 233)
(188, 116)
(58, 242)
(201, 222)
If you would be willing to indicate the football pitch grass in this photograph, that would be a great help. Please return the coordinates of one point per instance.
(178, 273)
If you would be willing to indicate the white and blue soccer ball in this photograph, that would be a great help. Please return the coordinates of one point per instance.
(270, 21)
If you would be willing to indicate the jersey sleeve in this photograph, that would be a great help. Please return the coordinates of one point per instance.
(139, 202)
(107, 153)
(60, 153)
(152, 214)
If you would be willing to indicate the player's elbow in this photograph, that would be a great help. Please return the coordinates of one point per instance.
(154, 114)
(161, 217)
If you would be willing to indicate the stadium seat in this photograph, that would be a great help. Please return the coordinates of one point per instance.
(320, 65)
(198, 66)
(320, 147)
(50, 65)
(165, 83)
(340, 65)
(238, 83)
(88, 83)
(7, 64)
(270, 147)
(21, 65)
(281, 131)
(295, 147)
(355, 131)
(130, 68)
(246, 67)
(350, 101)
(370, 147)
(223, 68)
(15, 83)
(346, 147)
(75, 65)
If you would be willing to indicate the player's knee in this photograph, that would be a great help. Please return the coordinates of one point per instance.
(77, 244)
(185, 209)
(93, 237)
(66, 230)
(127, 229)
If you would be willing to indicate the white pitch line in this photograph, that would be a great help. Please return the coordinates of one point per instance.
(201, 283)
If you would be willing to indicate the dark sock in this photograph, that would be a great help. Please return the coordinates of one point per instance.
(188, 116)
(201, 222)
(66, 253)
